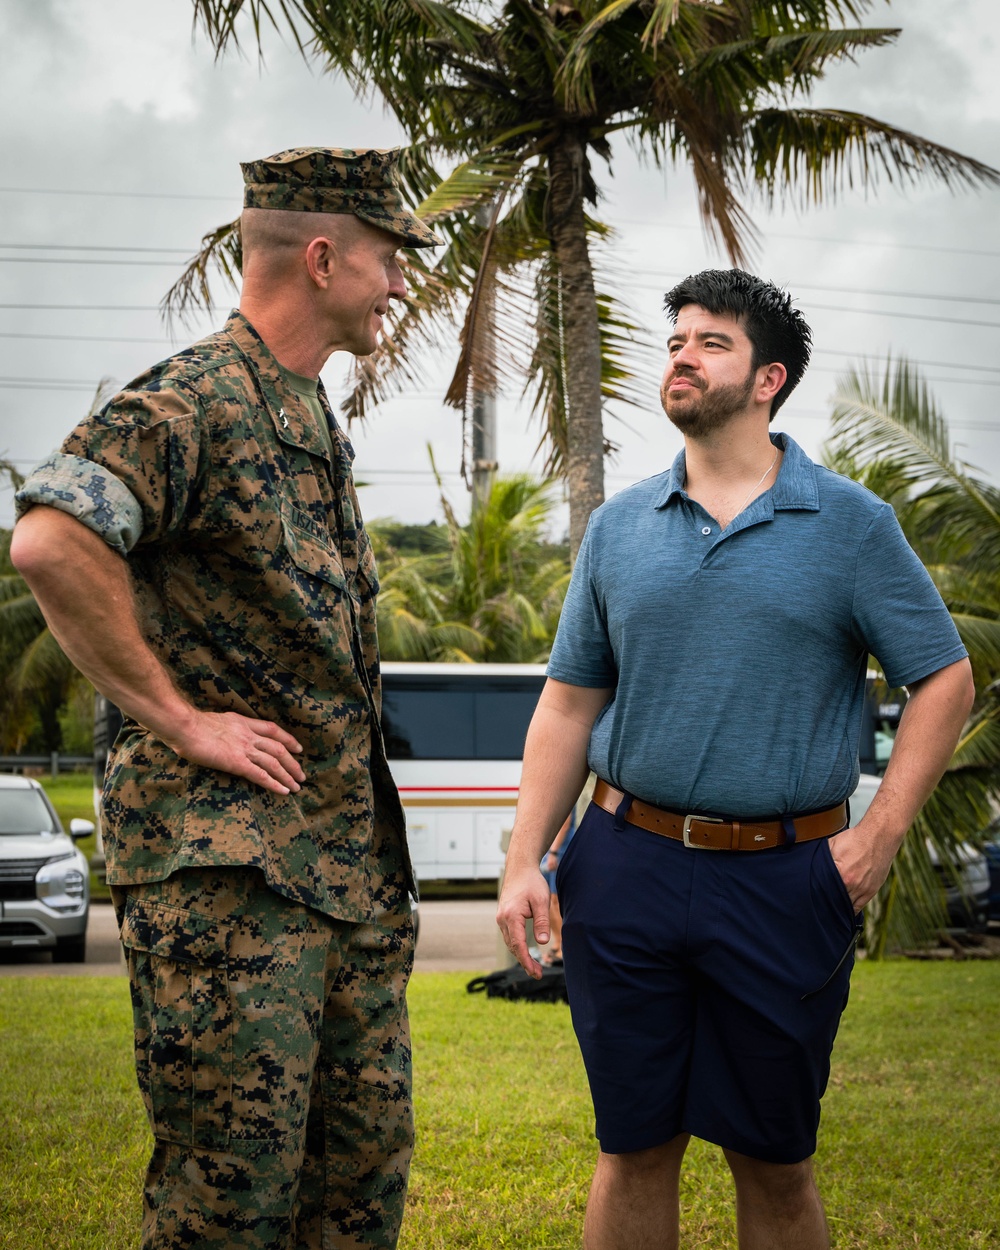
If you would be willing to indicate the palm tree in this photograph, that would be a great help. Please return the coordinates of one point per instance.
(494, 594)
(890, 435)
(519, 98)
(35, 676)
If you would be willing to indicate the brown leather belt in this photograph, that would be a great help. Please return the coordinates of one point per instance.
(710, 833)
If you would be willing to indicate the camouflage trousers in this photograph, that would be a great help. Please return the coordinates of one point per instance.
(273, 1057)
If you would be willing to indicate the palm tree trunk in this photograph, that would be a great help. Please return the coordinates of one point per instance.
(581, 337)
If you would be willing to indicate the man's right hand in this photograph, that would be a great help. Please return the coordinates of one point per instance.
(257, 750)
(524, 895)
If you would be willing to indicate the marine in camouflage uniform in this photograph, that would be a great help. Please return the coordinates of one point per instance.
(268, 934)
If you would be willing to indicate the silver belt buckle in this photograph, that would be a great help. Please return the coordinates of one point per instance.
(703, 820)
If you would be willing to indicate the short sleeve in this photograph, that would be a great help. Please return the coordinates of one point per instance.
(898, 612)
(130, 472)
(582, 654)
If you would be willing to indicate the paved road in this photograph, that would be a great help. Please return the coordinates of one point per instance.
(455, 935)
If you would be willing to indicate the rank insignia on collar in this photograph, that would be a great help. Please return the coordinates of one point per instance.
(284, 419)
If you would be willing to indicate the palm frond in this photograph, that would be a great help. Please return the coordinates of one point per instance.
(626, 351)
(41, 664)
(813, 155)
(979, 747)
(10, 471)
(895, 417)
(981, 636)
(724, 217)
(222, 250)
(477, 359)
(218, 18)
(481, 180)
(395, 363)
(783, 62)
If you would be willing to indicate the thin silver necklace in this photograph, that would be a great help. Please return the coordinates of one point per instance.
(757, 485)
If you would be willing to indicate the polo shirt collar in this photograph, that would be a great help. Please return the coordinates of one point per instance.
(795, 488)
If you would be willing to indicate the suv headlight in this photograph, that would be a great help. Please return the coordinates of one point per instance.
(60, 882)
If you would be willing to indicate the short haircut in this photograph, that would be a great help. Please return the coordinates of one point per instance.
(279, 234)
(777, 331)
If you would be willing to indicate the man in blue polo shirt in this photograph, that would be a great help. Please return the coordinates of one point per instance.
(710, 669)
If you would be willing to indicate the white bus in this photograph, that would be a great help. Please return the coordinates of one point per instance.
(454, 736)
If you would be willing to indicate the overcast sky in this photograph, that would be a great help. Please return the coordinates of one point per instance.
(120, 131)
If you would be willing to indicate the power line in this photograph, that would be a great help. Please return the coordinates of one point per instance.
(84, 338)
(948, 381)
(84, 307)
(56, 388)
(126, 195)
(79, 260)
(89, 247)
(821, 238)
(925, 364)
(882, 312)
(853, 290)
(18, 378)
(819, 351)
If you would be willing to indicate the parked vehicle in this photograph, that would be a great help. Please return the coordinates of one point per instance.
(991, 850)
(454, 737)
(44, 879)
(967, 899)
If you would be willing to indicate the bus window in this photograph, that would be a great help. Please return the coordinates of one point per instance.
(427, 724)
(456, 718)
(502, 718)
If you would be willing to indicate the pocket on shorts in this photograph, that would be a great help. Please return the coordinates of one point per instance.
(835, 915)
(178, 964)
(835, 882)
(569, 850)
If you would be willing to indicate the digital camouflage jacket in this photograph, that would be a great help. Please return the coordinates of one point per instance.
(255, 585)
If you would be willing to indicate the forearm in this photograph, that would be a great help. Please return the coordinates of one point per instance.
(84, 591)
(929, 729)
(928, 732)
(555, 768)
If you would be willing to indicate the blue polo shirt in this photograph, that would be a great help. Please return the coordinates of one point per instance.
(738, 657)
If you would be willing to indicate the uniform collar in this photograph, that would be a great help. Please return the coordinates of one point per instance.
(794, 490)
(293, 422)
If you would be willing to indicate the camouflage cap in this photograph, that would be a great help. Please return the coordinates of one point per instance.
(337, 180)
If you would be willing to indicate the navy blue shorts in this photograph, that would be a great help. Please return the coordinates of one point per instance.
(706, 987)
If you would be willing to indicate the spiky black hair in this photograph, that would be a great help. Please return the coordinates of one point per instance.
(776, 330)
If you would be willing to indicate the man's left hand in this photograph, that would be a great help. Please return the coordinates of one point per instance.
(863, 862)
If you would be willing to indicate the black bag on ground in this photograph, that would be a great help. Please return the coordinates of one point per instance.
(515, 983)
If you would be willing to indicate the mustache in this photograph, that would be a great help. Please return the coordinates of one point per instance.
(686, 374)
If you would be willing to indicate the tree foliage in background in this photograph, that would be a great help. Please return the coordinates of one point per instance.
(42, 695)
(493, 593)
(890, 435)
(36, 678)
(520, 100)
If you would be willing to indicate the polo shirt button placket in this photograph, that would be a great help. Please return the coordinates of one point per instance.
(706, 529)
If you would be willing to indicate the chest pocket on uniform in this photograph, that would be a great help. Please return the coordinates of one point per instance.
(311, 552)
(300, 615)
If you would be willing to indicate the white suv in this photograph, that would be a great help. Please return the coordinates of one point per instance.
(44, 878)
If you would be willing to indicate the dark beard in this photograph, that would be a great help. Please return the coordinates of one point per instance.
(711, 410)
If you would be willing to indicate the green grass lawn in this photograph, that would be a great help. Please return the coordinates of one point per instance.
(908, 1155)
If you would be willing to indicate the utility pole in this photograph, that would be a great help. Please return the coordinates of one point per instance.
(484, 407)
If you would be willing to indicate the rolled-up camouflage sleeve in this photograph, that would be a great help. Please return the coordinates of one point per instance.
(89, 492)
(129, 472)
